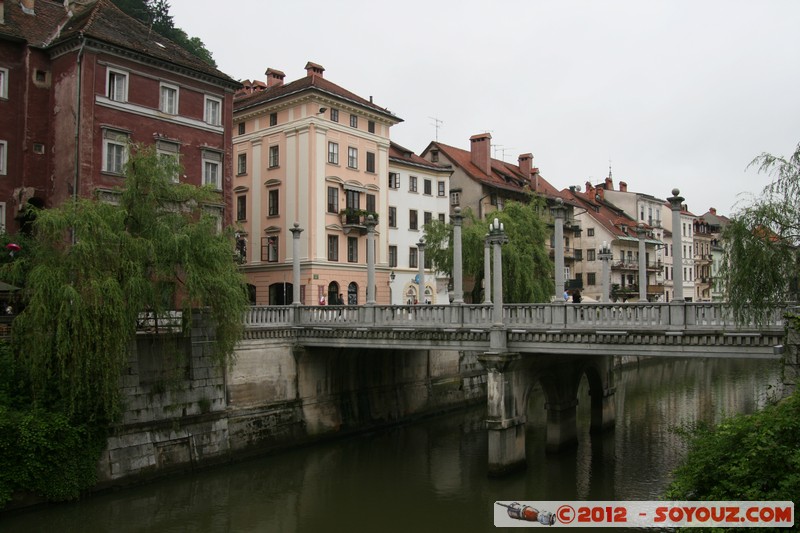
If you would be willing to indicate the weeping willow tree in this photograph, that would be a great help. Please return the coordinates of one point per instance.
(761, 261)
(97, 268)
(527, 268)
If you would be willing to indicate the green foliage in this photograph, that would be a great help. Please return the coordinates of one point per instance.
(96, 267)
(527, 268)
(748, 457)
(761, 258)
(155, 13)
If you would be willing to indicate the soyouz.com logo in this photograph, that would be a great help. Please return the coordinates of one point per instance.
(644, 514)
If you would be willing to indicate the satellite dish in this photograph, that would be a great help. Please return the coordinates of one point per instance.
(578, 188)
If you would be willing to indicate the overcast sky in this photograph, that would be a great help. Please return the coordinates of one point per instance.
(673, 93)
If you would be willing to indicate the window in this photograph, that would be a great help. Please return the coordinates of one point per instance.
(169, 152)
(334, 114)
(352, 249)
(241, 128)
(427, 217)
(590, 232)
(370, 162)
(333, 200)
(117, 85)
(394, 180)
(392, 256)
(427, 187)
(269, 249)
(412, 257)
(441, 191)
(212, 166)
(241, 164)
(333, 247)
(590, 254)
(371, 126)
(392, 217)
(3, 83)
(169, 99)
(352, 157)
(273, 119)
(412, 219)
(333, 153)
(2, 217)
(272, 208)
(412, 184)
(241, 207)
(434, 156)
(3, 157)
(115, 151)
(352, 199)
(213, 111)
(578, 254)
(353, 121)
(441, 218)
(455, 198)
(371, 203)
(591, 278)
(274, 156)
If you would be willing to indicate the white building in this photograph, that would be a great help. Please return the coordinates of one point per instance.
(419, 192)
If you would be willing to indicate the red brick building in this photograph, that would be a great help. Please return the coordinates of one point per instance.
(79, 81)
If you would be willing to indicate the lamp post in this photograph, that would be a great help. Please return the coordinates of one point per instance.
(458, 268)
(370, 223)
(497, 237)
(558, 251)
(487, 270)
(605, 256)
(641, 233)
(676, 204)
(421, 275)
(392, 276)
(296, 231)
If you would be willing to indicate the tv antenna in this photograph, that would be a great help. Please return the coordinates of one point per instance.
(436, 124)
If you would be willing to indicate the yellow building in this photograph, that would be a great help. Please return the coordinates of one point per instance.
(312, 153)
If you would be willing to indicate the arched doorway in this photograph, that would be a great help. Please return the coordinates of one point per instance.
(281, 293)
(333, 293)
(352, 293)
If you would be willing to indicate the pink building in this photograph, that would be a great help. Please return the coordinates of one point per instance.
(312, 153)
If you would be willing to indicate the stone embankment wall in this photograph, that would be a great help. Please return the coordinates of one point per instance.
(183, 411)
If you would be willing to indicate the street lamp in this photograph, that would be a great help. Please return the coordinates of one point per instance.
(605, 256)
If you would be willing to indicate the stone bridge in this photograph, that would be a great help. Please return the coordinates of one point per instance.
(554, 345)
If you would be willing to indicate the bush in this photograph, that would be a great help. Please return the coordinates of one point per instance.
(747, 457)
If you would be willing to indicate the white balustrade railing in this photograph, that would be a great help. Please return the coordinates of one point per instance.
(557, 316)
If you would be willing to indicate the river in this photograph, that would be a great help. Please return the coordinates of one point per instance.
(431, 475)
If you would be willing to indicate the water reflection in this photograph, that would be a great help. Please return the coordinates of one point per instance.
(431, 476)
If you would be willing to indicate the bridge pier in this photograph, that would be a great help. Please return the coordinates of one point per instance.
(562, 430)
(505, 422)
(604, 410)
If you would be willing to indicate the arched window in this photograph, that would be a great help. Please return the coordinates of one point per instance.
(352, 293)
(333, 293)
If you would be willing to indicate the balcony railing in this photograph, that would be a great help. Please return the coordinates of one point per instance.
(356, 219)
(634, 265)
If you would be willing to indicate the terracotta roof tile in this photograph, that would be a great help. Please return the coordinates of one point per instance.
(404, 155)
(103, 21)
(307, 83)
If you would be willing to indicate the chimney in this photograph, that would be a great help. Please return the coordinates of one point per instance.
(274, 77)
(526, 165)
(589, 187)
(712, 210)
(27, 7)
(623, 187)
(480, 150)
(312, 69)
(609, 184)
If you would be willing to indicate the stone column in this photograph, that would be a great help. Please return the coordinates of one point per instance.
(370, 260)
(421, 275)
(296, 231)
(487, 271)
(505, 426)
(558, 250)
(605, 283)
(603, 411)
(458, 268)
(676, 204)
(641, 233)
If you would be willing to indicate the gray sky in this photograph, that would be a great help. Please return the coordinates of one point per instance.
(680, 93)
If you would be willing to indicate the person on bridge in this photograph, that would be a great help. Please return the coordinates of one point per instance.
(576, 296)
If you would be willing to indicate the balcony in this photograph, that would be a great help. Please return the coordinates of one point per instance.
(634, 266)
(356, 220)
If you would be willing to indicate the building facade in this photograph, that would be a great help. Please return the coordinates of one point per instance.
(81, 82)
(310, 153)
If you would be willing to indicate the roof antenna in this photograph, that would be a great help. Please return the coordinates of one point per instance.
(609, 168)
(436, 124)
